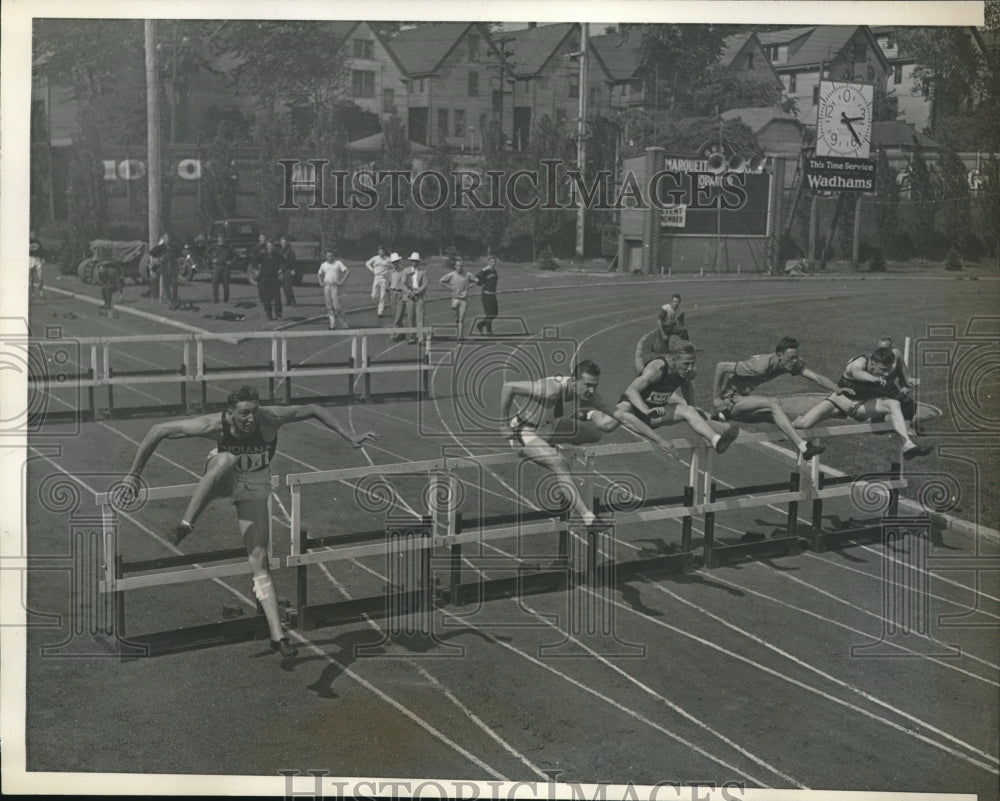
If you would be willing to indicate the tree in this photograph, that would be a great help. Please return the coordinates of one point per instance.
(949, 62)
(395, 156)
(441, 222)
(671, 54)
(886, 201)
(491, 224)
(990, 202)
(922, 199)
(724, 90)
(956, 204)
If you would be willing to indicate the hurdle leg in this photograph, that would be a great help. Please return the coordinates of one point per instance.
(90, 394)
(119, 601)
(817, 541)
(709, 546)
(687, 521)
(792, 525)
(896, 471)
(288, 382)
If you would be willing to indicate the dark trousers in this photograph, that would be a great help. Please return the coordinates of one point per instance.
(270, 297)
(287, 280)
(169, 273)
(220, 277)
(490, 311)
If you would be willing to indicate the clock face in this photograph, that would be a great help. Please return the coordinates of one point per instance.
(844, 121)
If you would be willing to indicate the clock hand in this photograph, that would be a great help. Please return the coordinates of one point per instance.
(847, 121)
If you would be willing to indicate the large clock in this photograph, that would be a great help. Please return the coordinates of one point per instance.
(844, 120)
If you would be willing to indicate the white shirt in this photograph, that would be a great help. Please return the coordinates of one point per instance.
(379, 266)
(332, 273)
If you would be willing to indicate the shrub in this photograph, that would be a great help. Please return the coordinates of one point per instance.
(953, 261)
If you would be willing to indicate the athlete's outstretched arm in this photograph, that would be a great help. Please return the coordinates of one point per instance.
(822, 380)
(280, 415)
(648, 376)
(206, 425)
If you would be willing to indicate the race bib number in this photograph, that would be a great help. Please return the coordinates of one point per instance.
(248, 462)
(658, 398)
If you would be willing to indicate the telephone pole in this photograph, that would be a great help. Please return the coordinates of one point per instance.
(581, 135)
(152, 132)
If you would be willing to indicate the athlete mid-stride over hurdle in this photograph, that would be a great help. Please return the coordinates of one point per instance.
(246, 437)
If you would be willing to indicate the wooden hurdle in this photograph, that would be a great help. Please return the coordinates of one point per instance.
(175, 570)
(279, 370)
(444, 527)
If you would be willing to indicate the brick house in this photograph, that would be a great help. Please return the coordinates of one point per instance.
(453, 76)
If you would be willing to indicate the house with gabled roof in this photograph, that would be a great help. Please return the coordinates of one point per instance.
(841, 52)
(376, 80)
(743, 54)
(618, 54)
(454, 74)
(545, 80)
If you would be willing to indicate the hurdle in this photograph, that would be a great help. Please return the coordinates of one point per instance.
(430, 543)
(120, 576)
(195, 367)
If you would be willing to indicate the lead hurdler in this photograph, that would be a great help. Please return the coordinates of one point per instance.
(246, 437)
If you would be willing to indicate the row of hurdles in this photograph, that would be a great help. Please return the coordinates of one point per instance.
(412, 540)
(87, 365)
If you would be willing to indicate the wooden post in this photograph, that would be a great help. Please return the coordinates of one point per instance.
(709, 546)
(687, 520)
(856, 244)
(792, 526)
(813, 220)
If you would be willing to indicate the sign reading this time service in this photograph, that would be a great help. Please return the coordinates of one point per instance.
(840, 174)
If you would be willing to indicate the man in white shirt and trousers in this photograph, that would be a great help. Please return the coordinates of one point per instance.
(332, 274)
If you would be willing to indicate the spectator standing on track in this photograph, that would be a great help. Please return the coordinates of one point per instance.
(487, 279)
(397, 279)
(168, 257)
(246, 436)
(221, 256)
(110, 279)
(873, 396)
(332, 274)
(287, 270)
(269, 280)
(458, 281)
(36, 265)
(414, 290)
(564, 410)
(379, 266)
(735, 382)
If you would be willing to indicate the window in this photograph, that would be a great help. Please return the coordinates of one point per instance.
(858, 50)
(750, 61)
(417, 86)
(897, 74)
(778, 54)
(364, 48)
(635, 87)
(560, 115)
(443, 121)
(460, 122)
(594, 96)
(791, 83)
(473, 47)
(388, 101)
(473, 84)
(886, 43)
(574, 86)
(815, 95)
(362, 83)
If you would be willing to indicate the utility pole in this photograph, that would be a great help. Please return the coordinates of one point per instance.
(581, 135)
(152, 132)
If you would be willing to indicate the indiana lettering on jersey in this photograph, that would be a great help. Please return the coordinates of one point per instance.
(250, 457)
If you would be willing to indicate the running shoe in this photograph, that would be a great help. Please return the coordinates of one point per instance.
(727, 438)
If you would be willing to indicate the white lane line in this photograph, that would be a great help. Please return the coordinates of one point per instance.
(827, 676)
(880, 618)
(807, 687)
(743, 588)
(430, 729)
(596, 693)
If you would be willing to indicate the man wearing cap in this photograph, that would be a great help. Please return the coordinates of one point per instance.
(332, 274)
(397, 276)
(379, 266)
(414, 289)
